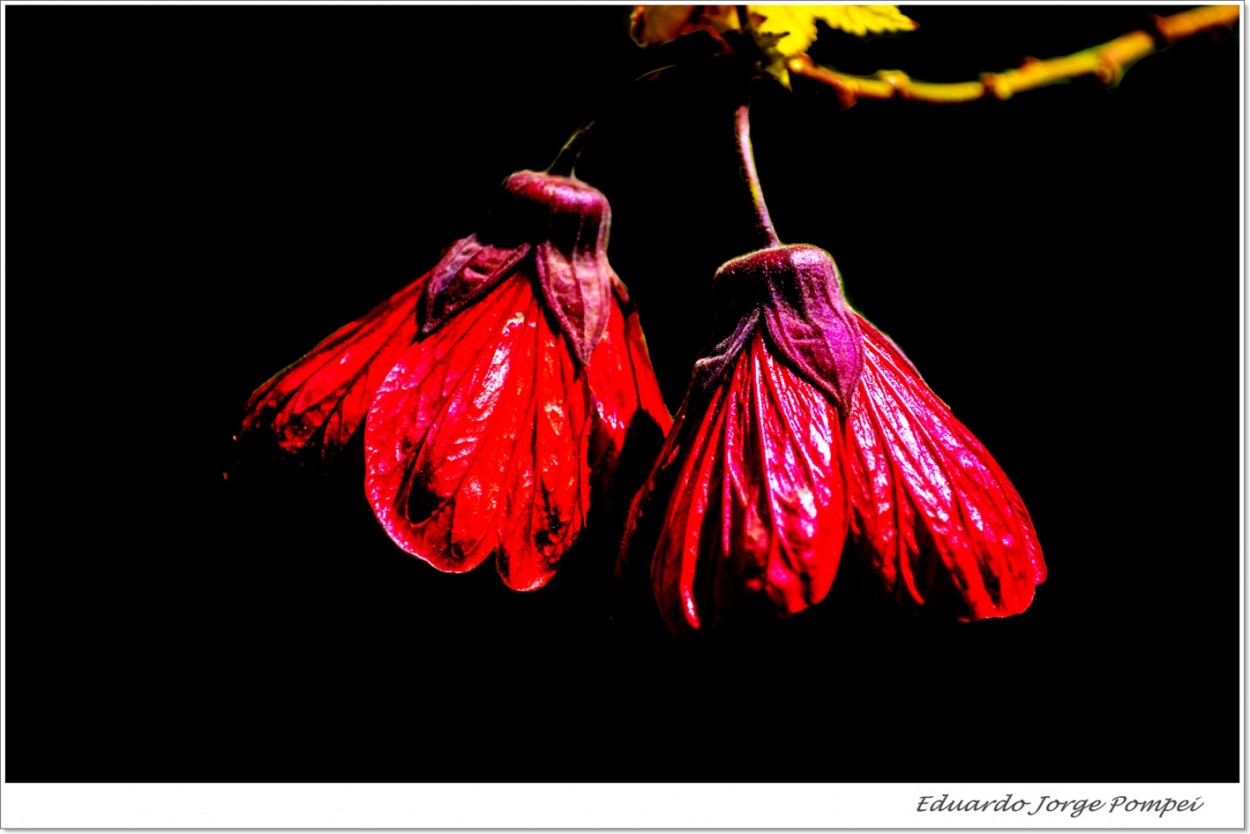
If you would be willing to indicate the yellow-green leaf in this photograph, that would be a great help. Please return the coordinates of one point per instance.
(797, 24)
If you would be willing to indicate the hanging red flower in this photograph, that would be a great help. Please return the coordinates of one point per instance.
(748, 505)
(935, 516)
(527, 375)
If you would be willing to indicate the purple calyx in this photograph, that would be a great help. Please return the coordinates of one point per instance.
(795, 294)
(563, 224)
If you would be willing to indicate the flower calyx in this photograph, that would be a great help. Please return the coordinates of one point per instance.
(794, 294)
(562, 223)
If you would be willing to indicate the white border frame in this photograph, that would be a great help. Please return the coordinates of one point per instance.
(581, 806)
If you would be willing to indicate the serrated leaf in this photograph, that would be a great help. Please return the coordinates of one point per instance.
(797, 24)
(780, 32)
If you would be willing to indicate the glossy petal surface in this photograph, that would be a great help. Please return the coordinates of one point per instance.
(934, 514)
(318, 402)
(747, 507)
(476, 441)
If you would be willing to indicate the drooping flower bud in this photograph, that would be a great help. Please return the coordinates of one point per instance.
(746, 510)
(935, 517)
(479, 441)
(516, 378)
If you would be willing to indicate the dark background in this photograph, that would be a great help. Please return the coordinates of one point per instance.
(197, 195)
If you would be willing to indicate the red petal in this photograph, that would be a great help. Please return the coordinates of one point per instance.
(319, 401)
(749, 498)
(476, 441)
(626, 393)
(934, 513)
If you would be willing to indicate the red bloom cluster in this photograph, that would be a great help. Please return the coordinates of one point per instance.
(497, 388)
(803, 424)
(499, 391)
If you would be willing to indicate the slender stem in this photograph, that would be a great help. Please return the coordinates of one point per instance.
(566, 160)
(763, 223)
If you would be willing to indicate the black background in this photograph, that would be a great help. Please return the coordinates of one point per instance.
(197, 195)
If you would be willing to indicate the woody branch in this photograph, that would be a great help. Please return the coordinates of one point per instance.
(1107, 62)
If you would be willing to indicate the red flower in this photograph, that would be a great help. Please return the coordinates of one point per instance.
(529, 371)
(935, 516)
(771, 460)
(748, 505)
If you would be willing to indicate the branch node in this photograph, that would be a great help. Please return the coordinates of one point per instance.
(898, 80)
(845, 89)
(1108, 71)
(996, 85)
(1158, 31)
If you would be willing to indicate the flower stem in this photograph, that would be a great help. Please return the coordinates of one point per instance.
(763, 223)
(566, 160)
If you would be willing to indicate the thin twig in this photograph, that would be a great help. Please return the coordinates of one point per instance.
(566, 160)
(1107, 62)
(763, 223)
